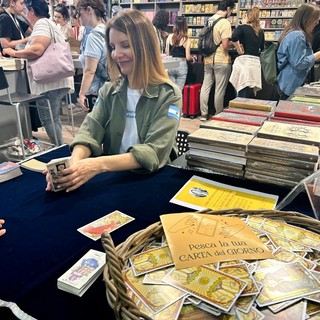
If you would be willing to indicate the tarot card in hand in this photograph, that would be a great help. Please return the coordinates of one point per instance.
(54, 168)
(109, 222)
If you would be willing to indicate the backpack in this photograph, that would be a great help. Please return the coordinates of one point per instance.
(268, 60)
(206, 45)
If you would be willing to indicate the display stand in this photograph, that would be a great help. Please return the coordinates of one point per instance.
(311, 185)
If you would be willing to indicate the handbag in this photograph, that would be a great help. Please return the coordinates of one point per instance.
(55, 63)
(268, 59)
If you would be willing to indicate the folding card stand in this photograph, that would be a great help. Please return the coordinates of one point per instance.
(311, 185)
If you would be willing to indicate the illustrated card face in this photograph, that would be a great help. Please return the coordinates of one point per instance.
(241, 272)
(155, 297)
(214, 287)
(54, 168)
(155, 277)
(151, 260)
(296, 312)
(284, 282)
(109, 222)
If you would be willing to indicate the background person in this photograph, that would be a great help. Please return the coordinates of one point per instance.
(295, 54)
(178, 46)
(248, 39)
(160, 22)
(134, 123)
(62, 18)
(40, 39)
(93, 58)
(217, 67)
(13, 30)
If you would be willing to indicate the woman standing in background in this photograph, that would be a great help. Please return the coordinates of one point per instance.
(45, 31)
(160, 22)
(248, 39)
(295, 54)
(178, 46)
(12, 29)
(93, 58)
(62, 17)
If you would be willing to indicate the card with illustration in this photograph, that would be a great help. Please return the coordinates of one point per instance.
(253, 314)
(290, 232)
(155, 277)
(241, 272)
(109, 222)
(151, 260)
(297, 312)
(285, 282)
(214, 287)
(155, 297)
(245, 303)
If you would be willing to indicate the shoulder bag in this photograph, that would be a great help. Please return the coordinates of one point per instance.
(55, 63)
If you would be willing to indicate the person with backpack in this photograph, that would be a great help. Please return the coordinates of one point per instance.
(248, 40)
(217, 67)
(93, 58)
(295, 54)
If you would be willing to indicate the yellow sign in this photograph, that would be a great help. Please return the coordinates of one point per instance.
(195, 239)
(200, 193)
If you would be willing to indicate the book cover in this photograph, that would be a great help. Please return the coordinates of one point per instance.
(251, 112)
(9, 170)
(309, 91)
(229, 126)
(284, 149)
(300, 164)
(290, 132)
(240, 118)
(294, 121)
(292, 109)
(200, 193)
(255, 104)
(307, 99)
(221, 138)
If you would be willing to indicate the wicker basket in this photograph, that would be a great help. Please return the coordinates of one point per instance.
(117, 258)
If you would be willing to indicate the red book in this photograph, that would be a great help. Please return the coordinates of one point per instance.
(298, 110)
(240, 118)
(295, 121)
(250, 112)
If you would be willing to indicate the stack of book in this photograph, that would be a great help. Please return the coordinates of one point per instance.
(297, 113)
(283, 154)
(307, 94)
(218, 150)
(9, 170)
(254, 104)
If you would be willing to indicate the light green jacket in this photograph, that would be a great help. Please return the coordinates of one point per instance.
(103, 128)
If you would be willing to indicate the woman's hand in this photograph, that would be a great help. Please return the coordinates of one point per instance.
(76, 175)
(10, 52)
(82, 101)
(2, 231)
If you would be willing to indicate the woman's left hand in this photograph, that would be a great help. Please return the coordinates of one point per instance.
(10, 52)
(78, 173)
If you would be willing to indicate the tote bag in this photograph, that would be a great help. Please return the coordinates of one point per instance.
(268, 59)
(55, 63)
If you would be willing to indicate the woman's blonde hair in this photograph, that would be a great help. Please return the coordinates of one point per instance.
(304, 17)
(147, 64)
(253, 19)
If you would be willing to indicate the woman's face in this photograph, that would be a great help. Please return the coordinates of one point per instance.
(17, 6)
(84, 15)
(121, 51)
(58, 18)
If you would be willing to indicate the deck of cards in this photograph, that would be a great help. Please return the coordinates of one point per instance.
(54, 168)
(78, 279)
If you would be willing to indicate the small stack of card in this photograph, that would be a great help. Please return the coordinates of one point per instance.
(78, 279)
(54, 168)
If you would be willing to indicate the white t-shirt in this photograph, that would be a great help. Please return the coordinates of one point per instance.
(130, 135)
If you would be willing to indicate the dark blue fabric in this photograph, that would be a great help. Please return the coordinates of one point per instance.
(42, 240)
